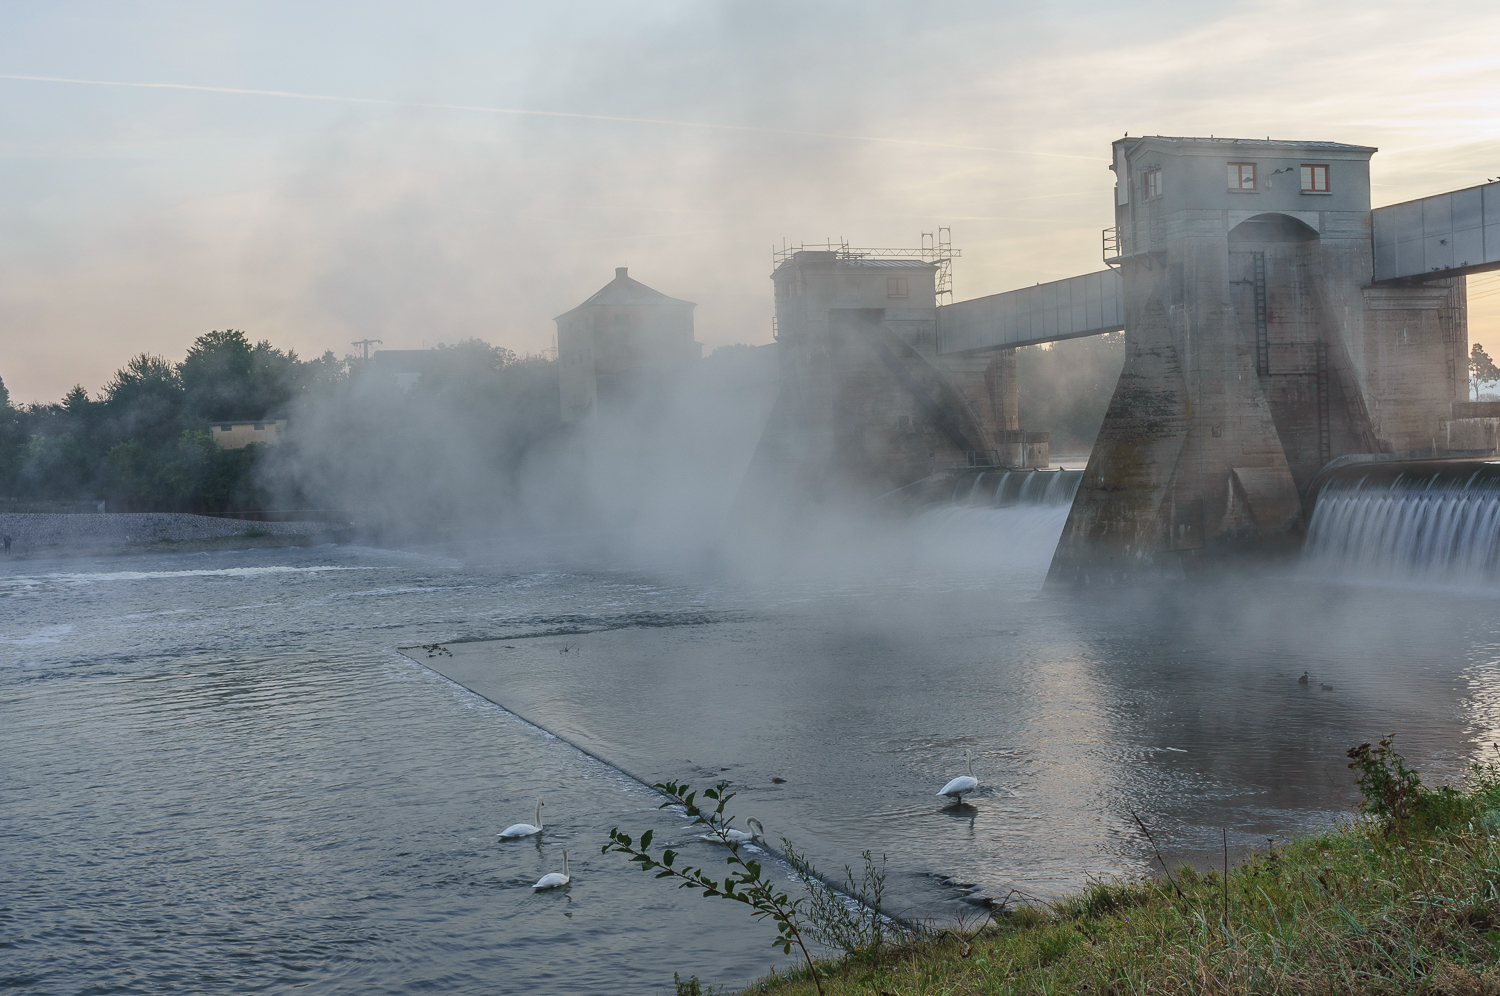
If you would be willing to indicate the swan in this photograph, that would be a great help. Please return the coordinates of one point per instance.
(554, 880)
(738, 836)
(523, 829)
(961, 784)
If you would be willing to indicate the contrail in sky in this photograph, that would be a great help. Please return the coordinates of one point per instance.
(521, 112)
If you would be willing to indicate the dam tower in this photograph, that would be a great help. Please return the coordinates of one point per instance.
(868, 403)
(1259, 346)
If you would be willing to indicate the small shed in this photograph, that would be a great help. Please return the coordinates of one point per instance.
(235, 435)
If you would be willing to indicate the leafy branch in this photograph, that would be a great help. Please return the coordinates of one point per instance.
(745, 883)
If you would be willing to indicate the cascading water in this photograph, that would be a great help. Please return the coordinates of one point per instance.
(999, 522)
(1421, 523)
(1002, 488)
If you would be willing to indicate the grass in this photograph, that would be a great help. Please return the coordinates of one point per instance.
(1381, 904)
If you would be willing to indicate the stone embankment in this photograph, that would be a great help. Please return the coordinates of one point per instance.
(38, 531)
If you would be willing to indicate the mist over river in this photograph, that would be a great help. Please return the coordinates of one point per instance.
(222, 775)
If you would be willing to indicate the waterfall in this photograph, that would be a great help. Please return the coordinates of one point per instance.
(988, 487)
(1003, 488)
(1415, 525)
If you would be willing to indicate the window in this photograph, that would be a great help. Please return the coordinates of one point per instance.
(895, 286)
(1314, 178)
(1151, 181)
(259, 427)
(1242, 176)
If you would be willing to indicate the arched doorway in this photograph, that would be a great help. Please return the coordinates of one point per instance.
(1273, 267)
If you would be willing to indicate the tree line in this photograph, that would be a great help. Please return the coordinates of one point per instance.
(144, 442)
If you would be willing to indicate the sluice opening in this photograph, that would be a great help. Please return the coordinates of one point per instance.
(1401, 519)
(990, 488)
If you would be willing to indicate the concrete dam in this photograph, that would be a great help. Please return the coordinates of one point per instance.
(1275, 326)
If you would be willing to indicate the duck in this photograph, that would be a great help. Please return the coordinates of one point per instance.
(963, 783)
(1303, 680)
(554, 880)
(516, 830)
(757, 832)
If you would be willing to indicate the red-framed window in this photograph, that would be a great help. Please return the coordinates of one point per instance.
(895, 286)
(1151, 183)
(1315, 178)
(1242, 176)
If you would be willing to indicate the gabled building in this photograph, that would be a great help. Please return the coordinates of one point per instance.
(622, 342)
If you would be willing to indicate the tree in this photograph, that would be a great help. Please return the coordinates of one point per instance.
(1482, 369)
(225, 377)
(1066, 387)
(144, 400)
(216, 376)
(12, 441)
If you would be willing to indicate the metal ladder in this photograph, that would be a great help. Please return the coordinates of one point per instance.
(1262, 329)
(1325, 439)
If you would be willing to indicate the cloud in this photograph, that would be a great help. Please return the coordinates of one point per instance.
(423, 177)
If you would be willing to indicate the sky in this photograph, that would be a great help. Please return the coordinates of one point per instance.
(320, 173)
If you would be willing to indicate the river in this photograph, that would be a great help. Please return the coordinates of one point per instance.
(223, 772)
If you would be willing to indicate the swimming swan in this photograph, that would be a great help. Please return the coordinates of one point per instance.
(738, 836)
(523, 829)
(961, 784)
(554, 880)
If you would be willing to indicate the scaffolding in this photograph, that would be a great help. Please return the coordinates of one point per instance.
(936, 247)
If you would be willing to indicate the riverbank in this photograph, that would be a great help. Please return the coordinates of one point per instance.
(1405, 902)
(63, 534)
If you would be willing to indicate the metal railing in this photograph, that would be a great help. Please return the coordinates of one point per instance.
(1112, 252)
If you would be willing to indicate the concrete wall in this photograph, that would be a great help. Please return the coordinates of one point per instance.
(32, 531)
(1474, 434)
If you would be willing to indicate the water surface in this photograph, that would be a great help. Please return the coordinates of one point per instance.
(222, 776)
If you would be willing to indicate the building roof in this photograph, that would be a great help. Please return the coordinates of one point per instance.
(624, 289)
(1252, 142)
(807, 257)
(402, 360)
(902, 263)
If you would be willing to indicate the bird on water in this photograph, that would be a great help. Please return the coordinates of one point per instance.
(738, 836)
(554, 880)
(523, 829)
(963, 783)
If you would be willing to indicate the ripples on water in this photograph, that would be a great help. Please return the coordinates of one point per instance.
(221, 777)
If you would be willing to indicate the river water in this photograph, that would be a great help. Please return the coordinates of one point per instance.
(222, 773)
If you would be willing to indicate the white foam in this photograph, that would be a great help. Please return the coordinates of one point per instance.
(229, 572)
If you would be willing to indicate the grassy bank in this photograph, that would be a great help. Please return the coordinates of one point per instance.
(1403, 899)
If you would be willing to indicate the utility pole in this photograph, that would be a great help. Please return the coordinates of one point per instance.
(364, 345)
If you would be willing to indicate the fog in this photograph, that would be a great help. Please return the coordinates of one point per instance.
(632, 592)
(468, 454)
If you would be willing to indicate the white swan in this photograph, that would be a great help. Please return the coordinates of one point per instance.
(523, 829)
(737, 836)
(963, 783)
(554, 880)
